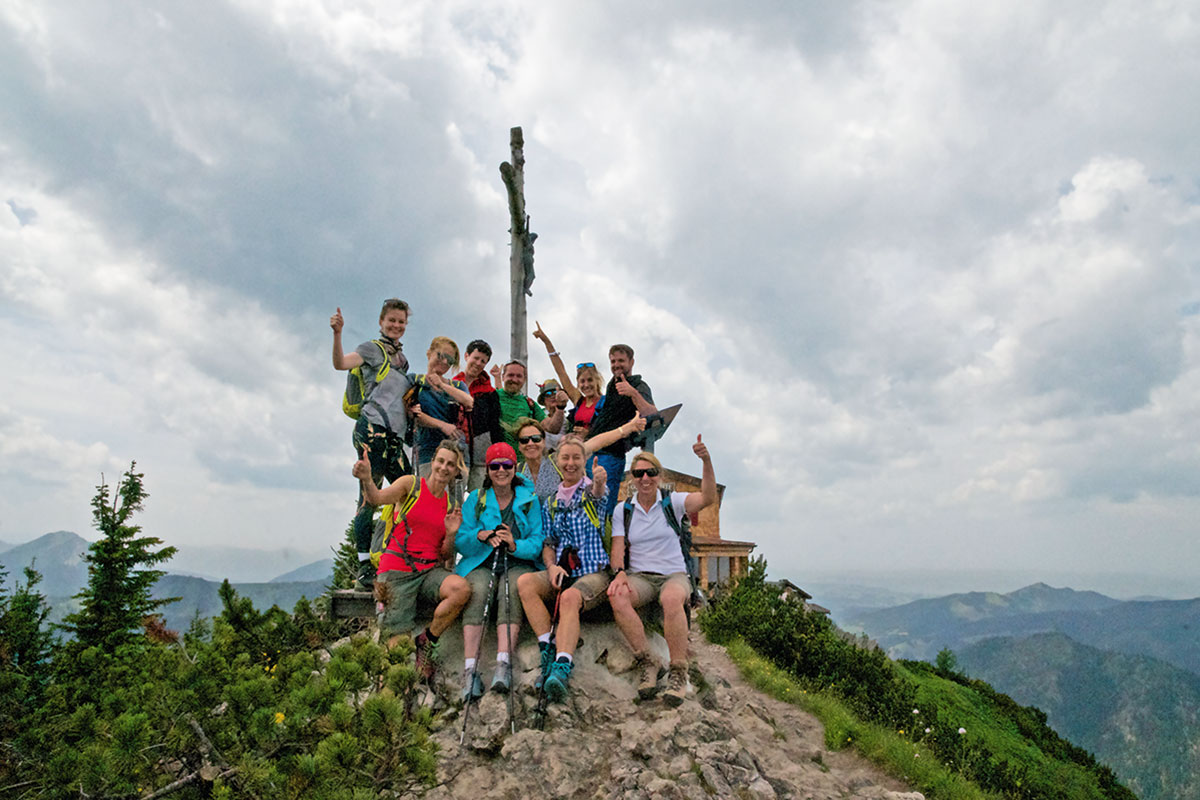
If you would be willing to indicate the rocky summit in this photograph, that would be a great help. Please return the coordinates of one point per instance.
(725, 740)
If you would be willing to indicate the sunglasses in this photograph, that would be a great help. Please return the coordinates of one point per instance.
(537, 437)
(585, 364)
(651, 471)
(445, 358)
(496, 466)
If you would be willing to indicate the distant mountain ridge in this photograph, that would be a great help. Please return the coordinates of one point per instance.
(1168, 630)
(1139, 715)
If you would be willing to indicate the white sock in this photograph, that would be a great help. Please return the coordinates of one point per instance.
(501, 658)
(364, 557)
(544, 638)
(469, 665)
(562, 655)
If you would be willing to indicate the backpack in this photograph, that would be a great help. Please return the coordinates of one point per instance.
(683, 530)
(357, 391)
(459, 415)
(383, 537)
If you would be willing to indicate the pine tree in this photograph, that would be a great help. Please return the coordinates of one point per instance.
(117, 596)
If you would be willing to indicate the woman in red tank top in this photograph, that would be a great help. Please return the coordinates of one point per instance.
(422, 540)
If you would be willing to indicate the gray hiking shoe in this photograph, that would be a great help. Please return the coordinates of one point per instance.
(559, 680)
(648, 673)
(502, 677)
(472, 687)
(677, 685)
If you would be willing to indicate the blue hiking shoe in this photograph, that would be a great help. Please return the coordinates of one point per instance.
(558, 680)
(546, 650)
(472, 687)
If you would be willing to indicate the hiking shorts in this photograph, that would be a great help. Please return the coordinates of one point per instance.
(406, 590)
(479, 579)
(648, 586)
(593, 587)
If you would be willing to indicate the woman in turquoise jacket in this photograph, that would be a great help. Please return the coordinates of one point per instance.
(503, 516)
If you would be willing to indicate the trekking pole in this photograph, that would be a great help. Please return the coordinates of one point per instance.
(512, 646)
(487, 603)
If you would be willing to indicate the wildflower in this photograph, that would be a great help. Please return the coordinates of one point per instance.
(902, 731)
(961, 731)
(278, 717)
(927, 730)
(915, 711)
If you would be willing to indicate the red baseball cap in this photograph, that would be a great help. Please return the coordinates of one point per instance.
(499, 452)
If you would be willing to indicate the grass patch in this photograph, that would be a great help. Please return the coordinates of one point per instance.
(896, 754)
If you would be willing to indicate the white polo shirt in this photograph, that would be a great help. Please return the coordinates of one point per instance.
(653, 545)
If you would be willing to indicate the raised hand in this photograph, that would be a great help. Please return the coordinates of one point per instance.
(362, 467)
(495, 371)
(436, 381)
(453, 520)
(626, 388)
(599, 475)
(638, 422)
(336, 322)
(541, 336)
(700, 449)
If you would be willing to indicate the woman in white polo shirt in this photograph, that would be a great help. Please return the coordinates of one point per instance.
(656, 569)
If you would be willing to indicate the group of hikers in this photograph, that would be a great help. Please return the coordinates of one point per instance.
(540, 512)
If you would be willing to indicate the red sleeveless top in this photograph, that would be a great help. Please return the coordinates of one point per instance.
(427, 520)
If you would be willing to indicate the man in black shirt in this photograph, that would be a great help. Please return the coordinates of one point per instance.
(625, 396)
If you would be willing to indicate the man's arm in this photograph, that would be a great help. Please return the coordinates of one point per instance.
(642, 399)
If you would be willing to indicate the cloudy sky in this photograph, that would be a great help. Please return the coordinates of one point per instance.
(924, 274)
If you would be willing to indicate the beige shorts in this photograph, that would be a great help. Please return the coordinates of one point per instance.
(648, 586)
(593, 587)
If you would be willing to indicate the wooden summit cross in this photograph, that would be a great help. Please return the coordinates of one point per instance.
(520, 260)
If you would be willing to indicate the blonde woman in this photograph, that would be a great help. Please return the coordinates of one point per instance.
(540, 468)
(586, 392)
(437, 402)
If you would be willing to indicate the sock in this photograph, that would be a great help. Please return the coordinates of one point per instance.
(429, 635)
(544, 638)
(364, 557)
(501, 658)
(564, 657)
(468, 665)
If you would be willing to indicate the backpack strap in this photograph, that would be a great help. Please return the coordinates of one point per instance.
(401, 515)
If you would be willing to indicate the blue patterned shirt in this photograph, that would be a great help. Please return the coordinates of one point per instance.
(570, 524)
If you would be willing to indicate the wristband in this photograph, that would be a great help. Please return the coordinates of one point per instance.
(552, 353)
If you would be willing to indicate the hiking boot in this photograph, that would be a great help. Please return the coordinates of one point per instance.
(502, 677)
(426, 657)
(365, 582)
(558, 680)
(677, 685)
(546, 651)
(648, 673)
(472, 687)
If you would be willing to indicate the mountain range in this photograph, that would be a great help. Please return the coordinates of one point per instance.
(1168, 630)
(1137, 714)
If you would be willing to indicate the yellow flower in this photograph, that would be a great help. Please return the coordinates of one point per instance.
(278, 717)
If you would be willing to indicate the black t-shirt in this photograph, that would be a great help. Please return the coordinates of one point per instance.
(618, 409)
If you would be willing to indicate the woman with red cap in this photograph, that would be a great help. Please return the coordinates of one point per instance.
(502, 517)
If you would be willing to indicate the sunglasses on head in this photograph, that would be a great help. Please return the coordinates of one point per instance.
(585, 364)
(496, 466)
(537, 437)
(651, 471)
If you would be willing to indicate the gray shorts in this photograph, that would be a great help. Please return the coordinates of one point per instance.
(648, 586)
(479, 579)
(592, 587)
(406, 590)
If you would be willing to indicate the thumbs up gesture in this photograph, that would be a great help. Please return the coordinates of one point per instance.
(362, 467)
(700, 449)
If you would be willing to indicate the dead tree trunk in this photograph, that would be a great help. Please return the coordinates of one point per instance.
(521, 255)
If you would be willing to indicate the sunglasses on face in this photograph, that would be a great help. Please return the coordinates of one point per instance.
(448, 359)
(584, 365)
(651, 471)
(496, 466)
(537, 437)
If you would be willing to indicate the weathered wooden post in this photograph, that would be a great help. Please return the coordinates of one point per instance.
(520, 259)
